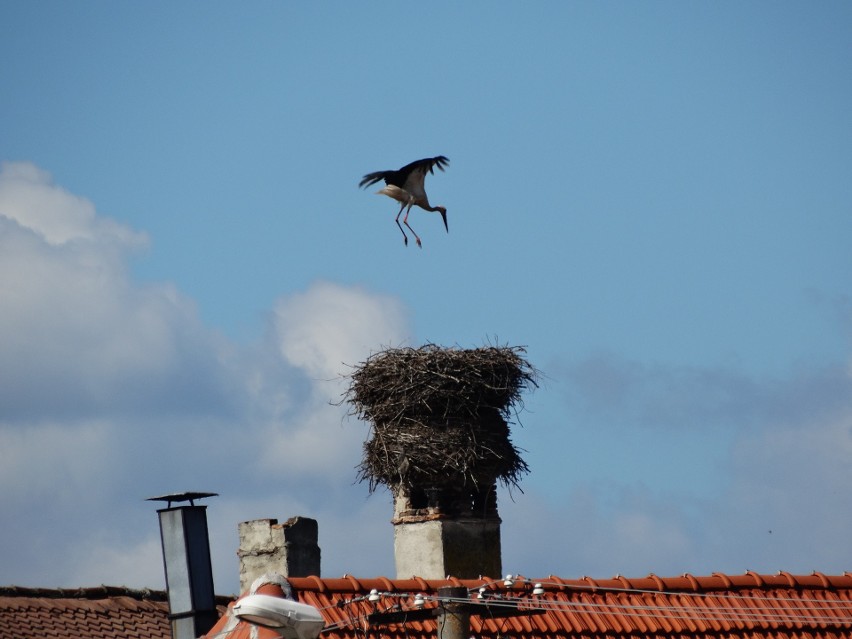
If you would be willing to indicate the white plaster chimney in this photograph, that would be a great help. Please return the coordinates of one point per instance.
(441, 532)
(289, 549)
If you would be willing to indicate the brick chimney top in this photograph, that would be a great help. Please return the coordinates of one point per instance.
(289, 549)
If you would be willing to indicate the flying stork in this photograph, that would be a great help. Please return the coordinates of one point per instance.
(406, 187)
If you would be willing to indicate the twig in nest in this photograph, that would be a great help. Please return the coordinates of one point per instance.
(439, 416)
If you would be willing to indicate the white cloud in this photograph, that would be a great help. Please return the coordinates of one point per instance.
(325, 331)
(29, 197)
(48, 461)
(596, 530)
(331, 326)
(781, 499)
(789, 496)
(637, 394)
(112, 391)
(107, 558)
(78, 336)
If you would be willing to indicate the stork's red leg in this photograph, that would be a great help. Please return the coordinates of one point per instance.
(404, 236)
(405, 221)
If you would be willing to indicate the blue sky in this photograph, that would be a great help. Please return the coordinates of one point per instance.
(653, 198)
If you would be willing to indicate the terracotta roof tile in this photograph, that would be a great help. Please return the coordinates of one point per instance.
(718, 606)
(24, 617)
(86, 613)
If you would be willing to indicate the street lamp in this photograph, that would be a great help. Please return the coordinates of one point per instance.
(290, 619)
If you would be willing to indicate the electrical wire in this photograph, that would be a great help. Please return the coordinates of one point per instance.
(798, 610)
(673, 612)
(672, 593)
(709, 613)
(813, 603)
(679, 612)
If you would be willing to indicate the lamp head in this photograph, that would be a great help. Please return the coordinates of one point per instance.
(291, 619)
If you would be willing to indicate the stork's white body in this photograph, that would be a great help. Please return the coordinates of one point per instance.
(407, 186)
(401, 195)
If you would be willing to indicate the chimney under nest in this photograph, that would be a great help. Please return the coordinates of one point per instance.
(442, 531)
(440, 442)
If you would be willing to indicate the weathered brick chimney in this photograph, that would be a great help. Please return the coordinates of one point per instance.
(289, 549)
(440, 532)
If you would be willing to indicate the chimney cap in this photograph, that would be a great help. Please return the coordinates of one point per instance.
(189, 496)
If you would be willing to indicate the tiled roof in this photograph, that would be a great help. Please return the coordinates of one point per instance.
(104, 612)
(720, 606)
(749, 606)
(91, 613)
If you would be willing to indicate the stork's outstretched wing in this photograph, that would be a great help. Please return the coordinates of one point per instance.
(372, 178)
(425, 165)
(415, 170)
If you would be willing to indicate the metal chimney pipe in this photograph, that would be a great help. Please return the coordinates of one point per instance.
(186, 557)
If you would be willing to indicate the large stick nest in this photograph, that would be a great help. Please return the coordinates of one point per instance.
(440, 416)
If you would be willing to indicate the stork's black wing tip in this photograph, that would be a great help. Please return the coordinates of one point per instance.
(430, 163)
(371, 178)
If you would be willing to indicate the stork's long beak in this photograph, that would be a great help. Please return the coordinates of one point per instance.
(444, 215)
